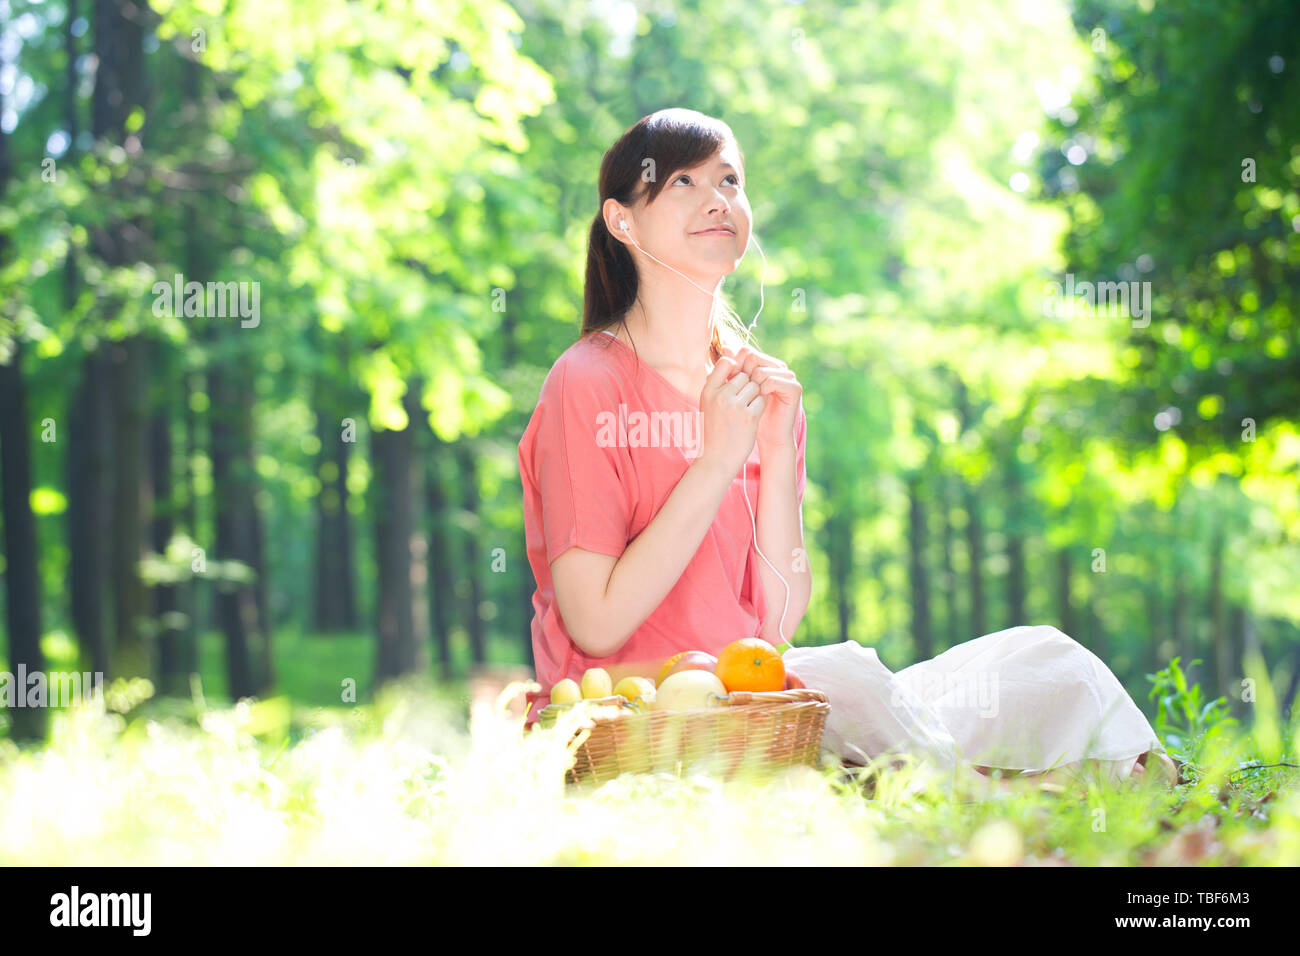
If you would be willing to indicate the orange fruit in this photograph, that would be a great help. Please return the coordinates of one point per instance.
(751, 664)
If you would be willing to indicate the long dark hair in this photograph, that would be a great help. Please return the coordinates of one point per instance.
(651, 151)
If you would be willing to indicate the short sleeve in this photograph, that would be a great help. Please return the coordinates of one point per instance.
(585, 499)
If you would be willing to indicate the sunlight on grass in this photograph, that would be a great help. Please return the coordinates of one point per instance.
(402, 781)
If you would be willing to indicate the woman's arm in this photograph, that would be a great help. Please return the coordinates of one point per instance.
(780, 536)
(600, 619)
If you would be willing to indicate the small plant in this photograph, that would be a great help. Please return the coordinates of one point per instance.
(1184, 719)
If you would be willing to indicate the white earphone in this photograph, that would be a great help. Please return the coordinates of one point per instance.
(744, 486)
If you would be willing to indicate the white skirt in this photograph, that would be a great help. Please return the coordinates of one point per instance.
(1027, 698)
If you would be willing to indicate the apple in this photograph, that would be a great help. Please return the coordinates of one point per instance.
(793, 680)
(693, 661)
(693, 689)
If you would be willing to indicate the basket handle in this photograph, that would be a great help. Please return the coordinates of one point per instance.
(797, 695)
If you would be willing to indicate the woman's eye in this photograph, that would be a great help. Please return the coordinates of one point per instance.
(729, 176)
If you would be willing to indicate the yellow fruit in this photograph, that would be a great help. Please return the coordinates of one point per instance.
(596, 683)
(636, 688)
(689, 690)
(565, 692)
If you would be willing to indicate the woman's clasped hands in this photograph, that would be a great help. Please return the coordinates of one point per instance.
(749, 397)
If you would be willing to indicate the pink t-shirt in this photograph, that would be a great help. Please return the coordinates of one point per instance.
(606, 445)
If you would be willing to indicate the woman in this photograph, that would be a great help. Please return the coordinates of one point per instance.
(662, 447)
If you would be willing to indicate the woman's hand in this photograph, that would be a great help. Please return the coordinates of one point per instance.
(731, 409)
(781, 390)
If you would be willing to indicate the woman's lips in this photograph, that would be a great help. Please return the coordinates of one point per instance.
(714, 232)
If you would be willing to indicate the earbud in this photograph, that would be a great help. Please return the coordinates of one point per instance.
(622, 224)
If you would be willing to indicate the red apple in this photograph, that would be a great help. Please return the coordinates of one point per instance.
(693, 661)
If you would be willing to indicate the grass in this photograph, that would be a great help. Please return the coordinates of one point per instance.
(412, 778)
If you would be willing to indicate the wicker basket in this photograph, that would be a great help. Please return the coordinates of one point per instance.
(760, 732)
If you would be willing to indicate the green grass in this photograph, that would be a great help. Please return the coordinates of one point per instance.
(410, 778)
(309, 668)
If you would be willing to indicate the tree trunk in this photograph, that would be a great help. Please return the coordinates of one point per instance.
(129, 656)
(235, 604)
(391, 452)
(1016, 615)
(841, 540)
(120, 89)
(94, 525)
(335, 605)
(261, 570)
(838, 534)
(350, 619)
(974, 528)
(197, 604)
(1064, 598)
(22, 568)
(949, 574)
(327, 615)
(473, 525)
(88, 510)
(922, 637)
(442, 584)
(975, 547)
(174, 658)
(87, 432)
(1097, 642)
(22, 572)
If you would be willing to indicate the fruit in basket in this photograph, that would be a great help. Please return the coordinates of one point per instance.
(793, 680)
(596, 683)
(689, 690)
(636, 689)
(687, 661)
(667, 667)
(566, 692)
(751, 664)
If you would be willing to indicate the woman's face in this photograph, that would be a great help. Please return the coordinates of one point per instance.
(681, 227)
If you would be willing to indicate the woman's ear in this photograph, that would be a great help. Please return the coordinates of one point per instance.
(615, 216)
